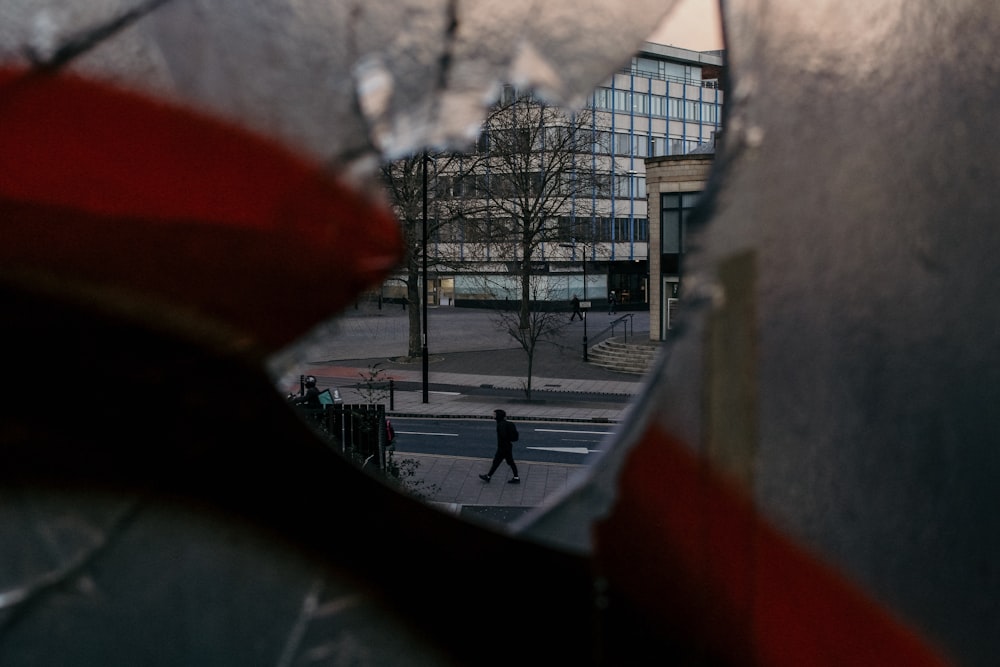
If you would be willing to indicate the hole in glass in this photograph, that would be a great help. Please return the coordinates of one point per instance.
(541, 274)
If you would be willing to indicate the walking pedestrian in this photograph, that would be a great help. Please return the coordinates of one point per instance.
(506, 437)
(575, 301)
(612, 300)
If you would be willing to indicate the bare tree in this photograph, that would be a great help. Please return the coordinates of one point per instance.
(533, 183)
(541, 324)
(529, 181)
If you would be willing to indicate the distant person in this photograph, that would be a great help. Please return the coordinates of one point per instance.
(612, 300)
(506, 437)
(575, 302)
(308, 395)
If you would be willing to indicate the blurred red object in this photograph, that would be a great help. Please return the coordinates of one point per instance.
(118, 198)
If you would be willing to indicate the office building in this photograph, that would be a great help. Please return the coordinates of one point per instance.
(666, 101)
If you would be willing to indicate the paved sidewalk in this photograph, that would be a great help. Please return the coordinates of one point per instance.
(468, 349)
(453, 403)
(452, 483)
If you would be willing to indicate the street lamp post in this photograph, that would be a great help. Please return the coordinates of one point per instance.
(587, 310)
(423, 334)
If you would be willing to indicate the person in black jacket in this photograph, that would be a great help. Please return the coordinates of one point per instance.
(506, 435)
(308, 395)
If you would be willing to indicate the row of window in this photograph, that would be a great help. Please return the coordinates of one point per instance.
(655, 68)
(641, 145)
(597, 229)
(478, 186)
(674, 212)
(533, 139)
(644, 104)
(589, 141)
(629, 186)
(605, 229)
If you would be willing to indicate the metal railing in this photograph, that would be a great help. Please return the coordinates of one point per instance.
(691, 81)
(624, 323)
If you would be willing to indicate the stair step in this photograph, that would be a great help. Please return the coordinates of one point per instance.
(624, 356)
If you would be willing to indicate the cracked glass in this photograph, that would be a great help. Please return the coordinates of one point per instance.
(131, 572)
(344, 82)
(810, 477)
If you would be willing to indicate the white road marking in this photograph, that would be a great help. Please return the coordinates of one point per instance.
(566, 450)
(556, 430)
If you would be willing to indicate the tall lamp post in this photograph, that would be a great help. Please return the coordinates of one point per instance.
(423, 334)
(586, 308)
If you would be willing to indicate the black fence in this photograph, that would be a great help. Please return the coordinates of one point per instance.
(357, 431)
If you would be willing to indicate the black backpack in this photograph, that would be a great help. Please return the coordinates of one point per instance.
(512, 433)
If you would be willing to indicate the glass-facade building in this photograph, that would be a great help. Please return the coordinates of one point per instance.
(666, 101)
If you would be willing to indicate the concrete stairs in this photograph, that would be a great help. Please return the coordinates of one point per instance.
(632, 356)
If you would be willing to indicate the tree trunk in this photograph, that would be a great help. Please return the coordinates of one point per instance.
(413, 314)
(531, 359)
(524, 314)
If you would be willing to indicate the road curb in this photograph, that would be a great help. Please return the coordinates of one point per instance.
(579, 420)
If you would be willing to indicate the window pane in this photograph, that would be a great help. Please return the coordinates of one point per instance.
(676, 107)
(623, 144)
(671, 238)
(640, 103)
(658, 105)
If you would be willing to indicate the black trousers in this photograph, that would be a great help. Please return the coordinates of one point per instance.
(504, 453)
